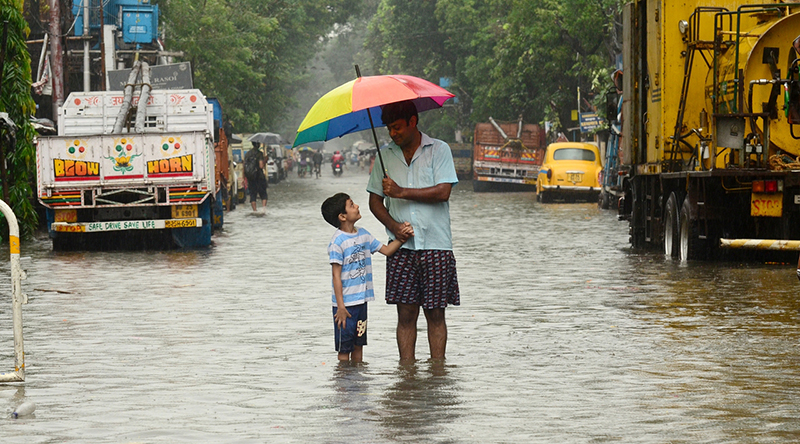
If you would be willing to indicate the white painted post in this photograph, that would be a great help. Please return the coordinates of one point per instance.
(17, 298)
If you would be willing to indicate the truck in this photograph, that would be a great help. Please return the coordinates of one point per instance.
(503, 163)
(151, 189)
(711, 99)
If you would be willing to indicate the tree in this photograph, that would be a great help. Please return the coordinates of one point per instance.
(16, 100)
(506, 57)
(251, 54)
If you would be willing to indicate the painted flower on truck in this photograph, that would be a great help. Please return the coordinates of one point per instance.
(124, 156)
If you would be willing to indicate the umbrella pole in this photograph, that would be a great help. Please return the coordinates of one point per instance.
(374, 134)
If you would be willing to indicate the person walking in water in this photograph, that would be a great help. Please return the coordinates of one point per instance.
(350, 254)
(421, 174)
(318, 163)
(254, 163)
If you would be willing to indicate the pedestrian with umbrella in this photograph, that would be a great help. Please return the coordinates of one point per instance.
(420, 176)
(412, 183)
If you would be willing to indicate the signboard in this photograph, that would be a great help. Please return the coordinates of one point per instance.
(590, 122)
(175, 76)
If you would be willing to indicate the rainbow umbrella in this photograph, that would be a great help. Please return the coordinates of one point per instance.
(356, 105)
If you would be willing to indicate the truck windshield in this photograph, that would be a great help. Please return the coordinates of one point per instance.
(574, 154)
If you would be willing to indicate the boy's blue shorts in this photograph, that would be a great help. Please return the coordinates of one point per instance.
(355, 329)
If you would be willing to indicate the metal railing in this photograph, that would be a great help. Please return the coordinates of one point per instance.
(17, 297)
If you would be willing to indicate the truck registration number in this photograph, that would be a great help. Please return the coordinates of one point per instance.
(184, 211)
(766, 205)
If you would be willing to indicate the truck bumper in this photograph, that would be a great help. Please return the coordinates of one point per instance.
(153, 224)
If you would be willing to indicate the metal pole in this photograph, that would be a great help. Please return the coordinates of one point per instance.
(87, 85)
(56, 57)
(17, 297)
(104, 81)
(374, 134)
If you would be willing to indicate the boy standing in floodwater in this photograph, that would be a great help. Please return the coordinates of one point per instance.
(350, 254)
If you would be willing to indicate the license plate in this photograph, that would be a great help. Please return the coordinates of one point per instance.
(766, 205)
(575, 177)
(184, 211)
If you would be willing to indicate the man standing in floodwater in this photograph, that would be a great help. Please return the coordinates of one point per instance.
(421, 174)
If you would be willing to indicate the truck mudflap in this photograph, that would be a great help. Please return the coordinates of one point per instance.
(760, 244)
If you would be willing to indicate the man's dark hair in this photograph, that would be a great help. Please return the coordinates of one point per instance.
(399, 110)
(333, 207)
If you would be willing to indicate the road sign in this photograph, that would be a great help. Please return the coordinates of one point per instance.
(590, 122)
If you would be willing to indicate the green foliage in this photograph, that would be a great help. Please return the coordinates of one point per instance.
(251, 54)
(506, 57)
(16, 100)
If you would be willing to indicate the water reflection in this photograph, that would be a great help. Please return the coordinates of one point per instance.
(353, 403)
(421, 405)
(564, 335)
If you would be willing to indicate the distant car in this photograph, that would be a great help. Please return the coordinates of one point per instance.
(273, 174)
(570, 172)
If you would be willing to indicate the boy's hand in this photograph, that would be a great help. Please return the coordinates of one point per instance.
(407, 230)
(341, 317)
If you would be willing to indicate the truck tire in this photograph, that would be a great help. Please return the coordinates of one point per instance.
(672, 237)
(691, 246)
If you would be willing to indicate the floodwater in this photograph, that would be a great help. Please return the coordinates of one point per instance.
(564, 335)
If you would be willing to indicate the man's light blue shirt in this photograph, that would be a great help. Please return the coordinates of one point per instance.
(431, 165)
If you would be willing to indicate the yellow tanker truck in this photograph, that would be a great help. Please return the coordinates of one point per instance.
(711, 130)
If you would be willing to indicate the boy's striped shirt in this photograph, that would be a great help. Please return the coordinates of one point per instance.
(354, 252)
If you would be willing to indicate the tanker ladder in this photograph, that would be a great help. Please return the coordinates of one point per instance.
(17, 297)
(760, 244)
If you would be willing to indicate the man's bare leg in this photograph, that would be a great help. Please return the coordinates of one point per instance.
(437, 332)
(253, 204)
(407, 315)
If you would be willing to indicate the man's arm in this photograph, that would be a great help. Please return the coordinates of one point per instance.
(379, 210)
(435, 194)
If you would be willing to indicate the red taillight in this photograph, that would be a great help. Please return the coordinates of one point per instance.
(549, 174)
(771, 186)
(768, 186)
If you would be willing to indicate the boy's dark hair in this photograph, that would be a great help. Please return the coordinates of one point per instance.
(399, 110)
(333, 207)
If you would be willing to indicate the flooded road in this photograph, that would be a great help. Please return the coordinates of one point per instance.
(564, 335)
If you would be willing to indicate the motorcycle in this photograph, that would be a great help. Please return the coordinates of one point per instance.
(337, 168)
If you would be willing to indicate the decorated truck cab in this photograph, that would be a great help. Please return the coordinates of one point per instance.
(151, 188)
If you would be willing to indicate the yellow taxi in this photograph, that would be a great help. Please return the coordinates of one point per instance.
(570, 171)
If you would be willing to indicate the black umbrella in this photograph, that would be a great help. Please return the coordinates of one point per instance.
(266, 138)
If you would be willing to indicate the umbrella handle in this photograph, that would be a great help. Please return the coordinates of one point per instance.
(374, 134)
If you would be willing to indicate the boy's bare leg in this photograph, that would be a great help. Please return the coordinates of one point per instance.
(358, 353)
(437, 332)
(407, 315)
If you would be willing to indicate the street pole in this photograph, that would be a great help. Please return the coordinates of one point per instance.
(87, 73)
(56, 57)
